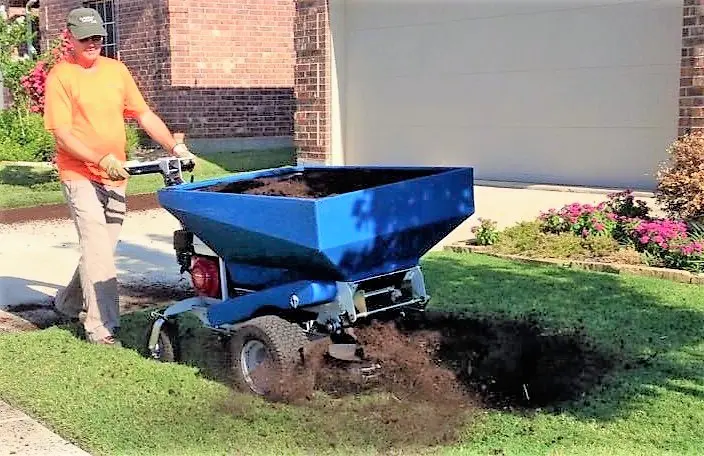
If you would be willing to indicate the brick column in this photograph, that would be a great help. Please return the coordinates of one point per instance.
(692, 68)
(312, 81)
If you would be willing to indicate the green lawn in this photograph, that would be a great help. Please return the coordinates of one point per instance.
(22, 186)
(115, 402)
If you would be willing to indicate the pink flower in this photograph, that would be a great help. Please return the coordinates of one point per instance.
(598, 226)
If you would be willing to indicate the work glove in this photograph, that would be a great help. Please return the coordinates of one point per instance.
(181, 151)
(113, 167)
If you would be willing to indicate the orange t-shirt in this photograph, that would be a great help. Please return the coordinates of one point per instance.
(94, 104)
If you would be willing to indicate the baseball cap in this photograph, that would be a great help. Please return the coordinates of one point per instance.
(85, 22)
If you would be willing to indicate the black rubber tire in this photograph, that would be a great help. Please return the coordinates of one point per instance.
(283, 342)
(166, 343)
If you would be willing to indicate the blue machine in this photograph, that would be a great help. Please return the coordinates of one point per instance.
(273, 270)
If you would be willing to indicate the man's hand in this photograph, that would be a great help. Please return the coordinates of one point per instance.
(112, 166)
(181, 151)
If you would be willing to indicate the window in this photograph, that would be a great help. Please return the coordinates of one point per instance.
(106, 9)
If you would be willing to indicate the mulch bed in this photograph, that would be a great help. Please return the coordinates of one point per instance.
(60, 211)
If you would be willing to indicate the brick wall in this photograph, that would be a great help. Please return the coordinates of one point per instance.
(209, 68)
(312, 80)
(232, 67)
(692, 68)
(52, 18)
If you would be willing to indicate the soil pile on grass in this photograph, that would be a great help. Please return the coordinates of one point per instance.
(511, 363)
(443, 357)
(437, 371)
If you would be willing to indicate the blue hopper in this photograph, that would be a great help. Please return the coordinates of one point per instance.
(279, 254)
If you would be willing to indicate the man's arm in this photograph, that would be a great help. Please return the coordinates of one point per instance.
(159, 132)
(136, 107)
(69, 143)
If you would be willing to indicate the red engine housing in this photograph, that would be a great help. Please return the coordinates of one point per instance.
(205, 275)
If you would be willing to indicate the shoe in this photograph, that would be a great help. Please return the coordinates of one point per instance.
(107, 340)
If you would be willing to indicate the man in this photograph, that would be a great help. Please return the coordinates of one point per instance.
(87, 98)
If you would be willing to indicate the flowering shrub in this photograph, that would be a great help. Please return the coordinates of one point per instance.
(486, 232)
(34, 83)
(580, 219)
(681, 180)
(625, 220)
(667, 243)
(13, 63)
(623, 204)
(660, 233)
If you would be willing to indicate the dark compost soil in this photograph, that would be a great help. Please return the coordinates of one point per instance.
(440, 370)
(60, 211)
(317, 184)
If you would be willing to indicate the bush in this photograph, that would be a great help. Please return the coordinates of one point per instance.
(528, 238)
(681, 179)
(11, 151)
(619, 229)
(34, 81)
(667, 243)
(13, 35)
(486, 233)
(624, 205)
(23, 137)
(133, 140)
(579, 219)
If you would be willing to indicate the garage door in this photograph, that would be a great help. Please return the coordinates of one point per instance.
(580, 93)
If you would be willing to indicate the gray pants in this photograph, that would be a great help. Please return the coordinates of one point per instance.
(97, 212)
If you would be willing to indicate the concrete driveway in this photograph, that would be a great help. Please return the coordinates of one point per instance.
(40, 257)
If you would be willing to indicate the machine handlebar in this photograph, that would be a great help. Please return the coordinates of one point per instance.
(170, 168)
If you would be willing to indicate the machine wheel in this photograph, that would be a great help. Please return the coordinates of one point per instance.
(165, 350)
(271, 344)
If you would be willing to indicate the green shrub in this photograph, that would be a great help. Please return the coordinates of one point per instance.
(600, 246)
(528, 238)
(133, 139)
(23, 137)
(624, 205)
(486, 233)
(11, 151)
(520, 238)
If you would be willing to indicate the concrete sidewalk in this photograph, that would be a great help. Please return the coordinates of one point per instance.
(39, 257)
(20, 435)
